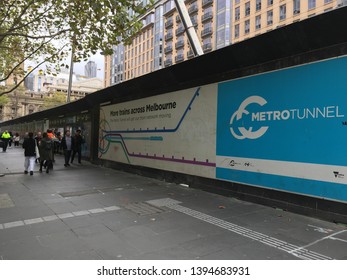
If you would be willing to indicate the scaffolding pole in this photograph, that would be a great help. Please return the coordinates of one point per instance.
(188, 26)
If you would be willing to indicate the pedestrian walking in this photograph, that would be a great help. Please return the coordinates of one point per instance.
(29, 146)
(38, 139)
(16, 139)
(10, 140)
(46, 153)
(67, 144)
(77, 146)
(5, 137)
(52, 136)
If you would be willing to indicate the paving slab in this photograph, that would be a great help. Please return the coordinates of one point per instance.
(91, 212)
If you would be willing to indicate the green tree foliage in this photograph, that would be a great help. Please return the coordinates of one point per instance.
(57, 99)
(42, 31)
(3, 100)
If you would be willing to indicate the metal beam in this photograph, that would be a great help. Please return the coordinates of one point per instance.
(188, 26)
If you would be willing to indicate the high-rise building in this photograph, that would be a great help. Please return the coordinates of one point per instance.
(90, 69)
(252, 18)
(138, 56)
(163, 42)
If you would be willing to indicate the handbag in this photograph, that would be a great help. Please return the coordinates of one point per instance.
(37, 152)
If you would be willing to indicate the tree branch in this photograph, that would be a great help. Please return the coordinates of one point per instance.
(26, 58)
(38, 37)
(7, 13)
(37, 66)
(27, 24)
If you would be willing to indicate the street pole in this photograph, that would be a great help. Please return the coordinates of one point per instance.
(71, 72)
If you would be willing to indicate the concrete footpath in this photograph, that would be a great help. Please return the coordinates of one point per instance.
(87, 212)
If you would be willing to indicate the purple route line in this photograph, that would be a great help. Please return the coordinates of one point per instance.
(182, 160)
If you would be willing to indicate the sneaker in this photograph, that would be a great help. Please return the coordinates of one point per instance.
(25, 172)
(31, 173)
(65, 165)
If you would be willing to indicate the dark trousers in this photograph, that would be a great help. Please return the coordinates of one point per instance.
(67, 154)
(78, 151)
(47, 163)
(4, 145)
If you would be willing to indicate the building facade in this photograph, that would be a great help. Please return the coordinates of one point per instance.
(163, 42)
(31, 99)
(90, 69)
(138, 56)
(252, 18)
(21, 103)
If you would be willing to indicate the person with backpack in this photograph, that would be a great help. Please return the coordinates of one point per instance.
(46, 152)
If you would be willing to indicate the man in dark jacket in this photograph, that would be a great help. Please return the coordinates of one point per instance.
(67, 143)
(77, 146)
(29, 146)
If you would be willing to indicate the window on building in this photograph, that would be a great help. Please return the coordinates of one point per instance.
(296, 7)
(220, 4)
(257, 22)
(220, 19)
(39, 84)
(194, 19)
(237, 31)
(220, 37)
(207, 41)
(237, 13)
(180, 38)
(270, 17)
(208, 10)
(247, 25)
(31, 109)
(270, 2)
(258, 5)
(247, 9)
(236, 2)
(207, 44)
(311, 4)
(283, 12)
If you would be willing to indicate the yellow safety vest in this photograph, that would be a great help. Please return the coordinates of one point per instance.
(6, 135)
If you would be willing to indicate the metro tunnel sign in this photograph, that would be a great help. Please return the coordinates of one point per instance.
(285, 130)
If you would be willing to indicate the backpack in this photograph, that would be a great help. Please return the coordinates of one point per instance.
(49, 145)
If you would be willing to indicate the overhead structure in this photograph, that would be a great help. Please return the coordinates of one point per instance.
(188, 26)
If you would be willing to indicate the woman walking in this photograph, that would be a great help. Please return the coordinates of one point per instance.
(46, 152)
(29, 146)
(16, 140)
